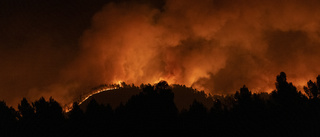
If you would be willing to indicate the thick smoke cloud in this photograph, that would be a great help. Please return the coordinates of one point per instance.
(216, 46)
(212, 45)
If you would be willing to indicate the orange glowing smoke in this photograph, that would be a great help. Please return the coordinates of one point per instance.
(212, 45)
(216, 47)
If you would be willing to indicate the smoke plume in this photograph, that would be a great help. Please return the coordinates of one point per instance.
(212, 45)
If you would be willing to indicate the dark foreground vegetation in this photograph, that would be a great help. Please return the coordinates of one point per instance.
(284, 112)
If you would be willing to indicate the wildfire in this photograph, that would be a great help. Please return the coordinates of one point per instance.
(68, 108)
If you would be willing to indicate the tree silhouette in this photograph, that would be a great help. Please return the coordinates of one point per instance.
(99, 118)
(26, 110)
(77, 122)
(285, 92)
(8, 120)
(152, 112)
(49, 117)
(195, 120)
(244, 97)
(152, 109)
(76, 114)
(313, 89)
(27, 118)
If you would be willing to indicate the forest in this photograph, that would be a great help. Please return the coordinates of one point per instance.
(153, 112)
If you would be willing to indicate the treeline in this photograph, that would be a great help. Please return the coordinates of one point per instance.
(284, 112)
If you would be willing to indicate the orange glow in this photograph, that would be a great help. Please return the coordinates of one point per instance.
(212, 45)
(217, 51)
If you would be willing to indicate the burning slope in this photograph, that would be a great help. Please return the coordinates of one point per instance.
(183, 96)
(98, 90)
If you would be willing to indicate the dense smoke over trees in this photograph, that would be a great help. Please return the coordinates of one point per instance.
(63, 48)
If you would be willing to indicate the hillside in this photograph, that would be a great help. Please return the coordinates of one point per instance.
(183, 96)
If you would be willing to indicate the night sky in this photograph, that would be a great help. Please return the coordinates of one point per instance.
(63, 48)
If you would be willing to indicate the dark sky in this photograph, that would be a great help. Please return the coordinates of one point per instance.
(62, 48)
